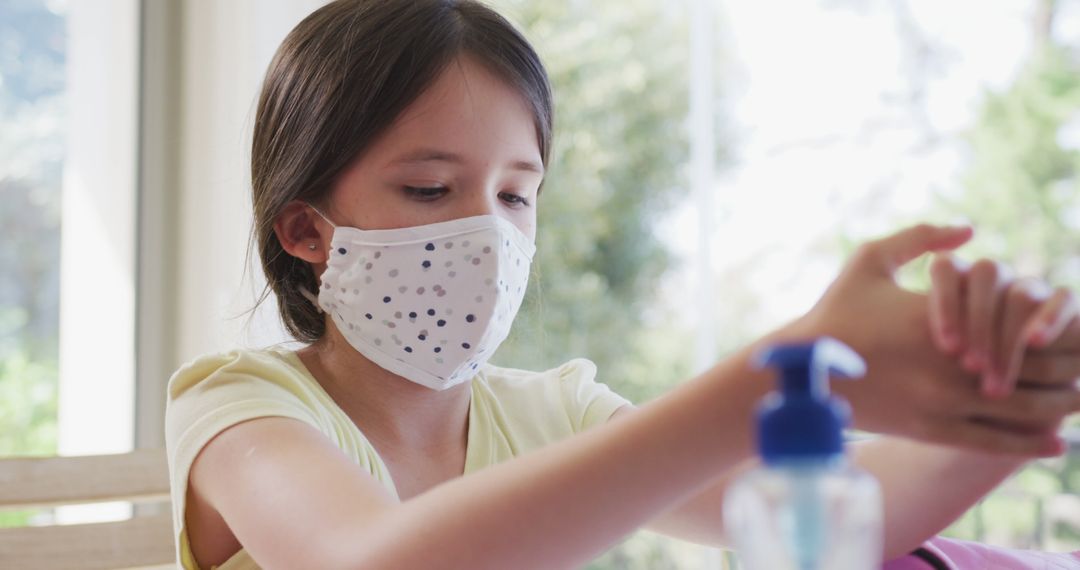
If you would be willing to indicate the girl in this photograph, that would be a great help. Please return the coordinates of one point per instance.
(398, 155)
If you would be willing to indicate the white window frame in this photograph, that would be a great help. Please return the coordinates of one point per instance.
(98, 238)
(97, 245)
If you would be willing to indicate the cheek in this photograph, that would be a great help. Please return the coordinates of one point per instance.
(526, 223)
(372, 207)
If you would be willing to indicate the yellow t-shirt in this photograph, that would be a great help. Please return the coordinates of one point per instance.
(511, 412)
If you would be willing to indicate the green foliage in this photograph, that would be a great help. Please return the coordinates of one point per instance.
(620, 77)
(1021, 188)
(31, 98)
(28, 400)
(1022, 195)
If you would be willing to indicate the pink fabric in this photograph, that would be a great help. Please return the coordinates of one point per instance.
(963, 555)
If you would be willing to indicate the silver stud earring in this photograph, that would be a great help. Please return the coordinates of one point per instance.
(312, 246)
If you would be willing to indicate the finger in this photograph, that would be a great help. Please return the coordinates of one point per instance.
(1037, 407)
(1050, 369)
(988, 436)
(884, 256)
(1025, 427)
(1052, 318)
(1022, 300)
(986, 285)
(947, 296)
(1068, 341)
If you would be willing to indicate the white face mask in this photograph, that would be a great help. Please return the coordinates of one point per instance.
(429, 303)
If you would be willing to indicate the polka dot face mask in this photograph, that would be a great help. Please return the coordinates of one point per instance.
(429, 303)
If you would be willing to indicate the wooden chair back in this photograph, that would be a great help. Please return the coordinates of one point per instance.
(141, 476)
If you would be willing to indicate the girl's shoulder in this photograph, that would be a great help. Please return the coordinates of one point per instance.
(215, 389)
(254, 365)
(570, 390)
(575, 370)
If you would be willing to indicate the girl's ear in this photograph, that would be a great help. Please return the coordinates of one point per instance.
(302, 233)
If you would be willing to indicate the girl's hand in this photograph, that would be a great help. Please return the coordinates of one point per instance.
(1007, 330)
(912, 388)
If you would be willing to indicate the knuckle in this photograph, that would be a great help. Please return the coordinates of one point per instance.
(1055, 368)
(1020, 445)
(1053, 412)
(977, 435)
(1047, 424)
(1037, 289)
(927, 388)
(1041, 368)
(1029, 406)
(942, 267)
(942, 397)
(865, 252)
(1067, 295)
(923, 230)
(1023, 295)
(978, 321)
(984, 269)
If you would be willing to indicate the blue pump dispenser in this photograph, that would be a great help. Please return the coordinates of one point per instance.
(806, 508)
(803, 420)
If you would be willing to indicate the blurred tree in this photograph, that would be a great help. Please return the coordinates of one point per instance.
(31, 152)
(620, 73)
(32, 56)
(1021, 191)
(1021, 186)
(619, 70)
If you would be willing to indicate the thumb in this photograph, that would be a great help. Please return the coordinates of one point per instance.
(886, 255)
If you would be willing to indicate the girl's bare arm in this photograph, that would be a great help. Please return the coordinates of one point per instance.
(924, 488)
(293, 500)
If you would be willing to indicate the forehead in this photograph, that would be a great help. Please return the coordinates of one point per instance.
(467, 110)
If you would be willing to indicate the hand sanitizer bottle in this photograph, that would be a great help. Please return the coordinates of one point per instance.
(806, 507)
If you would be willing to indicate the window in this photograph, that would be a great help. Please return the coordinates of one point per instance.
(826, 123)
(713, 163)
(68, 111)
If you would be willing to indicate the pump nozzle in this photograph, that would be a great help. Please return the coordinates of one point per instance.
(807, 367)
(802, 420)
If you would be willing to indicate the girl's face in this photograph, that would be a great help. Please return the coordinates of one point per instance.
(466, 147)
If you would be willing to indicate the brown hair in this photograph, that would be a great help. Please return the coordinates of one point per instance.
(340, 78)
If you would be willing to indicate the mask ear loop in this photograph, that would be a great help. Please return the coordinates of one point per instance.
(304, 290)
(310, 297)
(321, 215)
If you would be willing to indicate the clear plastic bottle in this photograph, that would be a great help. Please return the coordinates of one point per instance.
(806, 507)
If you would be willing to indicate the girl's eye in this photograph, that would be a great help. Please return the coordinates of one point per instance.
(514, 199)
(429, 193)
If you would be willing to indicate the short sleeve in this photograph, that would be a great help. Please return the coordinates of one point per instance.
(587, 401)
(213, 393)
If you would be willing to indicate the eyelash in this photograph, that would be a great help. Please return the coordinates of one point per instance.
(433, 192)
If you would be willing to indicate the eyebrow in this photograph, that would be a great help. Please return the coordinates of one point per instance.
(434, 155)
